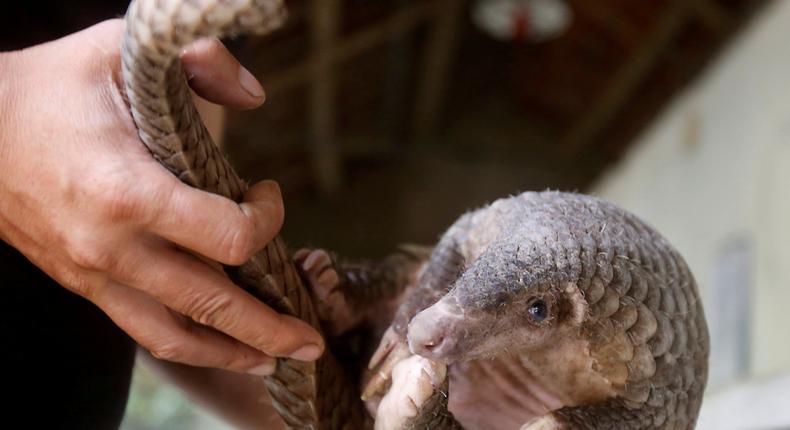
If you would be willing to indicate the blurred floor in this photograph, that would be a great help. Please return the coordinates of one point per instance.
(154, 405)
(759, 405)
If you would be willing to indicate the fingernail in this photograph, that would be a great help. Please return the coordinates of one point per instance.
(264, 369)
(307, 353)
(250, 84)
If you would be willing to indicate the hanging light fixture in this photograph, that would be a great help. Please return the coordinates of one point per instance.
(522, 20)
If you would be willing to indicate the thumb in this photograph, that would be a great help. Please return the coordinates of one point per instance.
(216, 75)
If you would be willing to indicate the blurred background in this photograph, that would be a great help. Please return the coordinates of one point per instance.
(387, 119)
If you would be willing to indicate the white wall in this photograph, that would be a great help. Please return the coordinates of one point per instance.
(715, 167)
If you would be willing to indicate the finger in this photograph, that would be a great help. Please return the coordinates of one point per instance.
(216, 227)
(173, 338)
(301, 254)
(318, 258)
(216, 75)
(328, 278)
(387, 343)
(187, 285)
(379, 381)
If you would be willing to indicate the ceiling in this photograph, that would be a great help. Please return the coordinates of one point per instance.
(405, 113)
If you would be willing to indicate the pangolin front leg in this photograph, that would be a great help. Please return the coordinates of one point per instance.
(350, 293)
(446, 263)
(394, 368)
(418, 397)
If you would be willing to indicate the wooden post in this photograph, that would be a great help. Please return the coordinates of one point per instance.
(325, 17)
(393, 27)
(438, 56)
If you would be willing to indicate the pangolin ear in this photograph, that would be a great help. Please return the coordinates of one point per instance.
(575, 305)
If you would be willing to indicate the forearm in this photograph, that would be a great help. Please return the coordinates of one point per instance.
(9, 82)
(7, 97)
(239, 399)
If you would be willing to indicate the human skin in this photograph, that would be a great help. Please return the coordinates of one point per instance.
(82, 198)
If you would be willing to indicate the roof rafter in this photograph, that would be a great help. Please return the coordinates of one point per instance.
(626, 80)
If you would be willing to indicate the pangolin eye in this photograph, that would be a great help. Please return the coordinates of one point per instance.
(538, 310)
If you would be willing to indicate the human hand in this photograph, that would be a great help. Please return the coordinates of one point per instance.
(82, 198)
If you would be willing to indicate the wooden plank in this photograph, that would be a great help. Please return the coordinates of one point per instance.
(403, 21)
(438, 56)
(627, 79)
(325, 157)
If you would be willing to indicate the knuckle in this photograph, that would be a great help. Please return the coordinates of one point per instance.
(149, 202)
(210, 310)
(235, 360)
(116, 196)
(82, 286)
(80, 283)
(230, 362)
(87, 290)
(240, 245)
(167, 351)
(89, 255)
(120, 206)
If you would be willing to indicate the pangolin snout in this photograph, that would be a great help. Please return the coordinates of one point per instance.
(432, 333)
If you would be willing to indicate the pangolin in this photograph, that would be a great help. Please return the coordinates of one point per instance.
(544, 310)
(552, 307)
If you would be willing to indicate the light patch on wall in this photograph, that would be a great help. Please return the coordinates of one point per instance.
(692, 130)
(729, 312)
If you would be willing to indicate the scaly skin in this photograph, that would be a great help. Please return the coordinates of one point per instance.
(319, 395)
(625, 343)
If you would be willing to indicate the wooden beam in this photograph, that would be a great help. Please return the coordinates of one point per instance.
(608, 18)
(714, 16)
(324, 23)
(403, 21)
(627, 79)
(438, 56)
